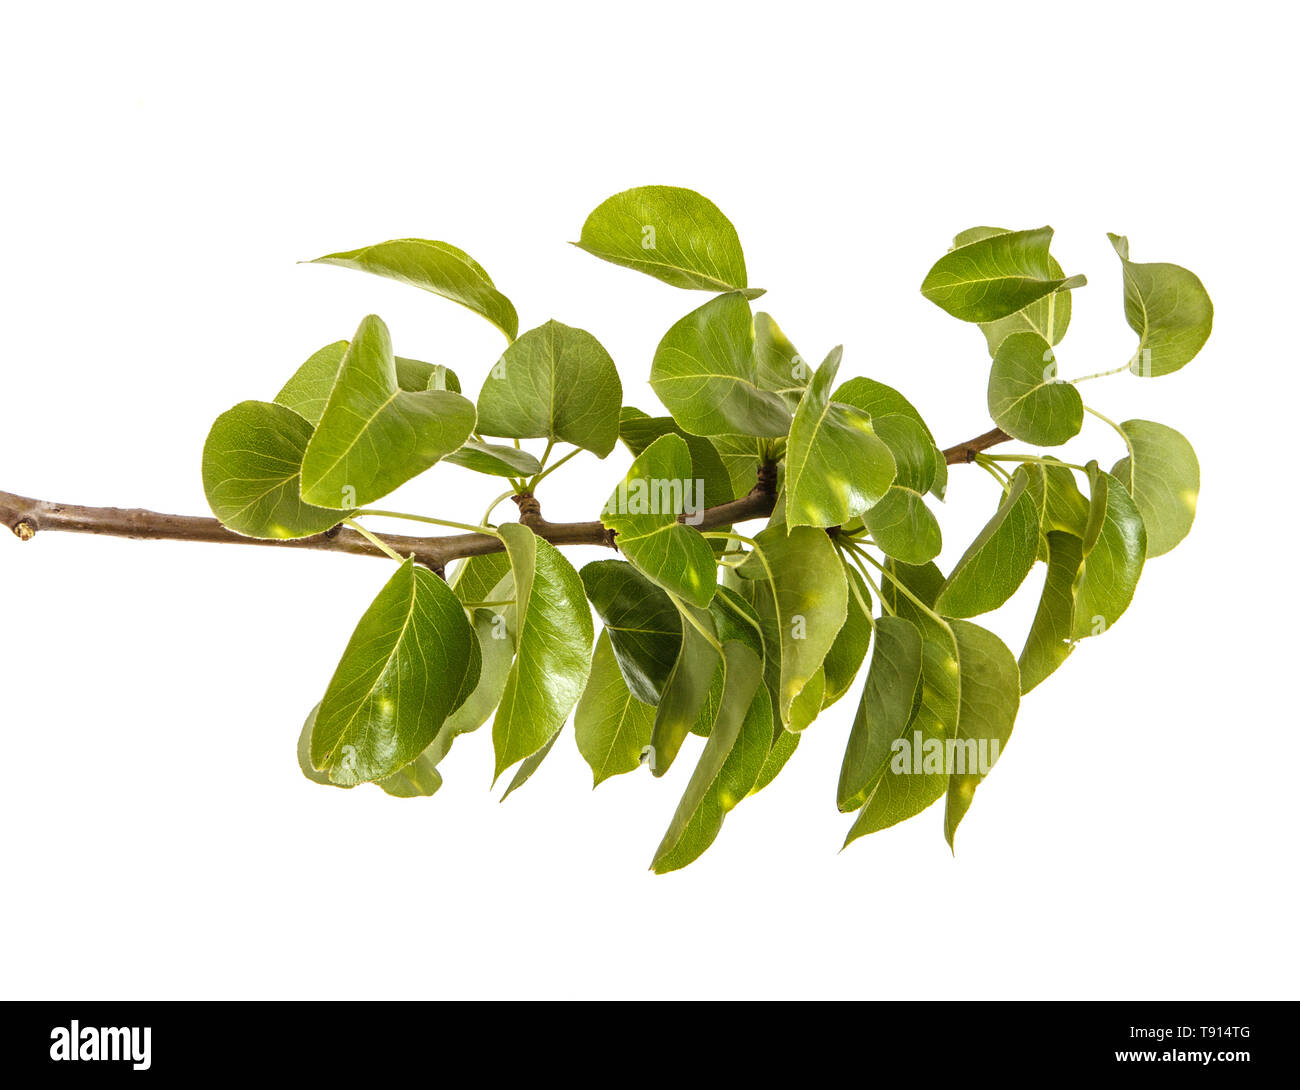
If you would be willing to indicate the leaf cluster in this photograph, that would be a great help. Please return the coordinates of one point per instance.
(741, 640)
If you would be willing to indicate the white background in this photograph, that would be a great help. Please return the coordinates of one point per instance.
(164, 170)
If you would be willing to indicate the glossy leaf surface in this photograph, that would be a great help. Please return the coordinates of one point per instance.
(555, 382)
(411, 661)
(670, 233)
(438, 267)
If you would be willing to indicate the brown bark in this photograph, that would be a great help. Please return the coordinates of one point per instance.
(26, 517)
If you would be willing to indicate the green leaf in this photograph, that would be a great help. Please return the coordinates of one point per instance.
(642, 624)
(495, 629)
(1169, 309)
(308, 391)
(844, 659)
(643, 512)
(915, 781)
(411, 661)
(995, 276)
(554, 656)
(529, 765)
(419, 779)
(1065, 508)
(779, 366)
(807, 706)
(672, 234)
(920, 462)
(1050, 636)
(1164, 478)
(704, 373)
(890, 701)
(252, 461)
(1114, 548)
(998, 559)
(557, 383)
(810, 602)
(836, 465)
(494, 459)
(304, 753)
(903, 527)
(777, 757)
(476, 577)
(990, 698)
(728, 768)
(742, 455)
(612, 726)
(638, 430)
(1026, 399)
(374, 436)
(686, 692)
(1049, 317)
(438, 267)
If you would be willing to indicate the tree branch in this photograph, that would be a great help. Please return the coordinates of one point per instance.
(26, 517)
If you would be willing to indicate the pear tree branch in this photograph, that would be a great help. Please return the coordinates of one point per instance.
(26, 517)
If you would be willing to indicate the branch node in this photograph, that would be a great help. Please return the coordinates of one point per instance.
(530, 511)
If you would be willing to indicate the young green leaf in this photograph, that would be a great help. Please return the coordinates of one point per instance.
(1065, 508)
(672, 234)
(373, 436)
(728, 768)
(915, 778)
(836, 465)
(1049, 317)
(1026, 399)
(419, 779)
(889, 703)
(638, 430)
(308, 391)
(411, 662)
(476, 577)
(779, 366)
(903, 527)
(496, 641)
(920, 463)
(995, 276)
(1168, 308)
(555, 382)
(810, 602)
(686, 692)
(252, 461)
(998, 559)
(704, 372)
(643, 512)
(1164, 478)
(612, 726)
(438, 267)
(844, 659)
(1114, 548)
(990, 698)
(1050, 638)
(494, 459)
(777, 757)
(304, 753)
(554, 656)
(529, 765)
(641, 622)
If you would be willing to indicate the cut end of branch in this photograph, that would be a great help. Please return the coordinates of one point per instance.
(24, 530)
